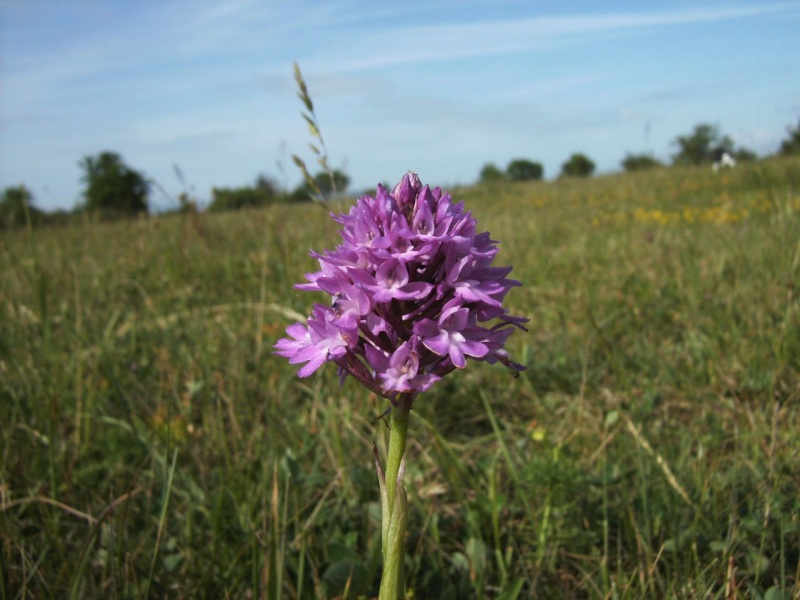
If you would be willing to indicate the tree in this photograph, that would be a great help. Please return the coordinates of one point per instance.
(112, 188)
(639, 162)
(16, 208)
(334, 182)
(578, 165)
(264, 191)
(704, 145)
(791, 145)
(328, 183)
(267, 185)
(223, 199)
(491, 174)
(520, 169)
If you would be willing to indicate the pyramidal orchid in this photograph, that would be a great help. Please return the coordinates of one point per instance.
(413, 296)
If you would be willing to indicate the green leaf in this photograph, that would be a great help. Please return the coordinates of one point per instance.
(776, 593)
(172, 561)
(341, 553)
(339, 573)
(669, 546)
(476, 551)
(718, 546)
(513, 592)
(460, 561)
(290, 466)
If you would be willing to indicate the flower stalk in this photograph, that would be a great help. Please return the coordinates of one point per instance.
(394, 504)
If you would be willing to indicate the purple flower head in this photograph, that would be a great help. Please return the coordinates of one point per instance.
(413, 293)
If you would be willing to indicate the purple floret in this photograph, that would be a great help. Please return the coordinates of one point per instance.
(413, 291)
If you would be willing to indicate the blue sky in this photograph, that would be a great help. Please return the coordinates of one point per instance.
(440, 88)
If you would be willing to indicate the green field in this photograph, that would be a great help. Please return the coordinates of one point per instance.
(153, 446)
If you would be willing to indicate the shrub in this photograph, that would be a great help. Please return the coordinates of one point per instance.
(16, 208)
(521, 169)
(328, 184)
(490, 173)
(639, 162)
(223, 199)
(578, 165)
(791, 145)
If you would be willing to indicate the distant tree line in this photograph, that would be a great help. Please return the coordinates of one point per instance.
(705, 144)
(266, 191)
(112, 189)
(519, 169)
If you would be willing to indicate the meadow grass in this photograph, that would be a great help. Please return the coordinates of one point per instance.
(152, 446)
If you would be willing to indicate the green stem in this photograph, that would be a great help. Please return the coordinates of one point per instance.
(397, 444)
(395, 510)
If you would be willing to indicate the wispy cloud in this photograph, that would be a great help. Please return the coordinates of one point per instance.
(403, 43)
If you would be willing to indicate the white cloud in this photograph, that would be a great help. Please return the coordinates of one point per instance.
(401, 44)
